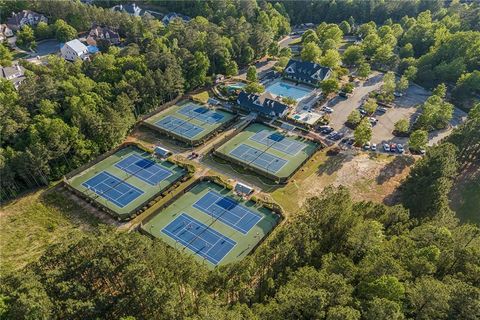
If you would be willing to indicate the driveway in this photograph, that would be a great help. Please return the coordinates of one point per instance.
(46, 47)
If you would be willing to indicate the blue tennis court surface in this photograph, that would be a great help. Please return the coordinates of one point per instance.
(278, 142)
(258, 158)
(204, 114)
(178, 126)
(113, 189)
(228, 211)
(199, 238)
(144, 169)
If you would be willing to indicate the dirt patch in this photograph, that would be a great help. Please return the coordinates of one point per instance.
(372, 177)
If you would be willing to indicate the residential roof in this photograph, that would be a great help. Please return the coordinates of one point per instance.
(264, 104)
(103, 32)
(306, 71)
(7, 72)
(77, 46)
(16, 18)
(172, 15)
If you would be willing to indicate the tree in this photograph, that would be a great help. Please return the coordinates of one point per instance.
(354, 118)
(63, 31)
(5, 56)
(345, 27)
(289, 101)
(231, 69)
(388, 87)
(311, 52)
(285, 52)
(402, 126)
(252, 73)
(43, 31)
(384, 57)
(348, 87)
(370, 106)
(353, 55)
(331, 59)
(429, 298)
(364, 70)
(274, 49)
(406, 51)
(410, 73)
(402, 84)
(425, 191)
(363, 132)
(329, 86)
(309, 36)
(418, 140)
(254, 87)
(26, 38)
(383, 309)
(436, 112)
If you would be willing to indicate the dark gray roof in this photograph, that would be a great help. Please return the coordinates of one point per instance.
(260, 104)
(306, 71)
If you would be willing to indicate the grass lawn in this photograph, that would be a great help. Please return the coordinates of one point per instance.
(201, 97)
(295, 41)
(34, 221)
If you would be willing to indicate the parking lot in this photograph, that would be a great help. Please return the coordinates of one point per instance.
(382, 132)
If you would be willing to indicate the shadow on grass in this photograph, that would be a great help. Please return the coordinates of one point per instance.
(394, 167)
(333, 163)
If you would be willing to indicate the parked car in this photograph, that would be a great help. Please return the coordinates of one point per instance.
(366, 146)
(337, 136)
(400, 148)
(362, 111)
(327, 109)
(373, 120)
(398, 94)
(373, 147)
(327, 130)
(381, 110)
(393, 147)
(386, 147)
(332, 134)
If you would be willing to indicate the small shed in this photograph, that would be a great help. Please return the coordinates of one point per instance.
(243, 189)
(162, 152)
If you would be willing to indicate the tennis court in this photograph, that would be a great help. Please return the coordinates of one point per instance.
(113, 189)
(144, 169)
(201, 113)
(181, 127)
(228, 211)
(199, 238)
(189, 122)
(278, 142)
(126, 181)
(258, 158)
(213, 224)
(267, 151)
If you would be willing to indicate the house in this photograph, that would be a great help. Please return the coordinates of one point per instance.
(102, 33)
(134, 10)
(173, 15)
(306, 72)
(15, 74)
(73, 50)
(5, 32)
(25, 17)
(264, 105)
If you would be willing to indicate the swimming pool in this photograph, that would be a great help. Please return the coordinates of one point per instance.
(288, 89)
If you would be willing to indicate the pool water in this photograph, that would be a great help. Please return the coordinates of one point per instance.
(288, 89)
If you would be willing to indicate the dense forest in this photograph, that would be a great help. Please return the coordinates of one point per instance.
(336, 259)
